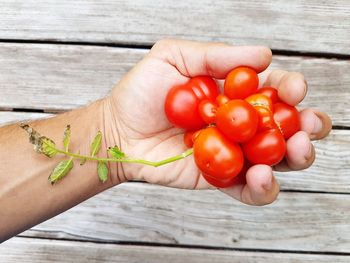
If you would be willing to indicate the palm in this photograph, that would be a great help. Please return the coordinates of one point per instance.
(139, 99)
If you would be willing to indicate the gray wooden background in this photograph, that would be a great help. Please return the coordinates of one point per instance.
(59, 55)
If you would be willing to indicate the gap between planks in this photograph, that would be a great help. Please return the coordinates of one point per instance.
(281, 52)
(185, 246)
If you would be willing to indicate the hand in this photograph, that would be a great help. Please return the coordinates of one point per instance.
(135, 117)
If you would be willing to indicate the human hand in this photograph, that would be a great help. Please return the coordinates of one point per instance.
(135, 118)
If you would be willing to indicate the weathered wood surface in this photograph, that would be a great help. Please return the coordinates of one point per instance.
(313, 26)
(329, 173)
(138, 212)
(62, 77)
(27, 250)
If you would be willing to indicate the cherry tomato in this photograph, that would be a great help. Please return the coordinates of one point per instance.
(260, 100)
(266, 120)
(207, 111)
(189, 137)
(287, 118)
(221, 99)
(240, 83)
(239, 179)
(181, 103)
(204, 87)
(270, 92)
(237, 120)
(216, 156)
(267, 147)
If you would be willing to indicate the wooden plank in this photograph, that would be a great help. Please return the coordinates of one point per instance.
(27, 250)
(137, 212)
(329, 173)
(313, 26)
(61, 77)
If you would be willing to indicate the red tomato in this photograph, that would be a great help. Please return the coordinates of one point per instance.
(189, 137)
(287, 118)
(224, 183)
(239, 179)
(207, 111)
(204, 87)
(267, 147)
(270, 92)
(240, 83)
(260, 100)
(216, 156)
(237, 120)
(181, 103)
(266, 120)
(221, 99)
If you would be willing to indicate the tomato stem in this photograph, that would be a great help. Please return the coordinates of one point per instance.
(128, 159)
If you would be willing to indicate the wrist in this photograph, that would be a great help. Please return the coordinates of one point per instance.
(112, 136)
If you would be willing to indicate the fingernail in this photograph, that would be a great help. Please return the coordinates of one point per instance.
(317, 127)
(305, 88)
(310, 153)
(268, 185)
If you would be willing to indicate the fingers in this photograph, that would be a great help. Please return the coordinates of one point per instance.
(315, 123)
(261, 188)
(213, 59)
(300, 153)
(291, 86)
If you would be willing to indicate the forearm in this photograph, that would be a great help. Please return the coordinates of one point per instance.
(26, 196)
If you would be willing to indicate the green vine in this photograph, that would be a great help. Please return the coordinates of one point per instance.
(48, 147)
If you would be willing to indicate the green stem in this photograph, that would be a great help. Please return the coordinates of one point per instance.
(129, 160)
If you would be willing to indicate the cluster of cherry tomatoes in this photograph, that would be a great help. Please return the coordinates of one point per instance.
(229, 132)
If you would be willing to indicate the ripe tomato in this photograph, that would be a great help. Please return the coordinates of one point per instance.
(270, 92)
(266, 120)
(267, 147)
(221, 99)
(260, 100)
(287, 118)
(216, 156)
(240, 83)
(207, 111)
(181, 103)
(239, 179)
(189, 137)
(204, 87)
(237, 120)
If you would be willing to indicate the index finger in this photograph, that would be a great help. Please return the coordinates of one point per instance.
(214, 59)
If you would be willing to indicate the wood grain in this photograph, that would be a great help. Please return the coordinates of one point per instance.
(329, 173)
(312, 26)
(138, 212)
(27, 250)
(62, 77)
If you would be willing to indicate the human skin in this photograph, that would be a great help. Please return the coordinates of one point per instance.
(133, 118)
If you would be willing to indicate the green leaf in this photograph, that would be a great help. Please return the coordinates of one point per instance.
(102, 170)
(42, 144)
(116, 153)
(96, 144)
(66, 138)
(60, 171)
(46, 146)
